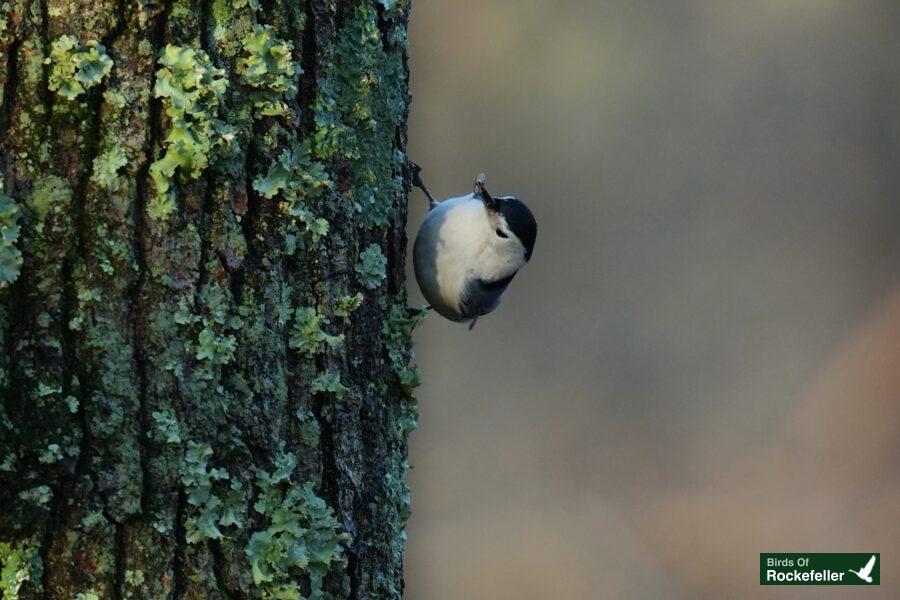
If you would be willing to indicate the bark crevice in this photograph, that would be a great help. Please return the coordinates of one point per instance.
(10, 87)
(120, 565)
(45, 93)
(137, 310)
(306, 94)
(179, 568)
(54, 521)
(254, 207)
(75, 361)
(218, 558)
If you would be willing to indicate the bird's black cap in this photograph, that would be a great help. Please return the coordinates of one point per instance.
(520, 221)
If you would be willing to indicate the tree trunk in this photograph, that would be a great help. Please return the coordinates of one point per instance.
(205, 371)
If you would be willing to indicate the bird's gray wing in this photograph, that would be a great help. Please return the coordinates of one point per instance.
(480, 297)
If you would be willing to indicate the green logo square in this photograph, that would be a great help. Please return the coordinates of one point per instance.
(793, 568)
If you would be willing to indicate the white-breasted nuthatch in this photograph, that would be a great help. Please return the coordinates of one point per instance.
(469, 248)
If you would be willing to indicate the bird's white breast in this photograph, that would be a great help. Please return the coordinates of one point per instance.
(457, 243)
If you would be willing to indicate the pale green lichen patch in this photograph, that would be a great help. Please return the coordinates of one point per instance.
(268, 62)
(106, 167)
(215, 343)
(371, 267)
(296, 174)
(309, 430)
(10, 255)
(51, 196)
(329, 382)
(347, 304)
(357, 113)
(134, 583)
(302, 182)
(307, 335)
(210, 511)
(394, 5)
(268, 65)
(397, 337)
(52, 454)
(168, 429)
(215, 347)
(21, 564)
(192, 91)
(39, 495)
(302, 536)
(76, 67)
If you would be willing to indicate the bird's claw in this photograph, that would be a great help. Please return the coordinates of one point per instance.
(416, 179)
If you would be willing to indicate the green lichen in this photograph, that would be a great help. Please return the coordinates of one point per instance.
(168, 430)
(52, 454)
(39, 495)
(134, 582)
(45, 390)
(215, 347)
(88, 295)
(5, 9)
(346, 305)
(302, 181)
(307, 335)
(394, 5)
(268, 65)
(371, 267)
(192, 91)
(357, 113)
(75, 323)
(8, 464)
(196, 475)
(295, 174)
(10, 255)
(145, 48)
(308, 430)
(51, 195)
(76, 67)
(214, 343)
(329, 382)
(21, 564)
(106, 167)
(210, 511)
(397, 337)
(301, 537)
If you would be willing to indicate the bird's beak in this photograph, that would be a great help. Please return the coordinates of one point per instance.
(485, 196)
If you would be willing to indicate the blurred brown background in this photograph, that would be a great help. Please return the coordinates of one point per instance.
(702, 360)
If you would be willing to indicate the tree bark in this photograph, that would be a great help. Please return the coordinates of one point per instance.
(205, 370)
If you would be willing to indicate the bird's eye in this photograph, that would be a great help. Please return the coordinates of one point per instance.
(501, 234)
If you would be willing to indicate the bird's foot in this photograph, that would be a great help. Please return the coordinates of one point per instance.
(416, 171)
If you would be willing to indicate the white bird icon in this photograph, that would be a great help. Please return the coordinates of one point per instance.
(865, 572)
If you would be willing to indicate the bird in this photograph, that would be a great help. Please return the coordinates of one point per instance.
(469, 248)
(866, 572)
